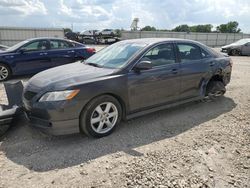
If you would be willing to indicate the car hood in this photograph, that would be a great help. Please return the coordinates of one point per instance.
(233, 45)
(66, 76)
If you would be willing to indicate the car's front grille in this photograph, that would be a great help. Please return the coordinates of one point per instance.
(29, 95)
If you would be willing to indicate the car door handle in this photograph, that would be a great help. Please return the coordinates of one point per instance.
(43, 53)
(174, 71)
(71, 51)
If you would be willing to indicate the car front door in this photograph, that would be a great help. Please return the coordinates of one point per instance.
(159, 85)
(61, 52)
(246, 49)
(195, 64)
(32, 57)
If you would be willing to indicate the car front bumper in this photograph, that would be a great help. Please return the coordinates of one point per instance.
(56, 118)
(54, 127)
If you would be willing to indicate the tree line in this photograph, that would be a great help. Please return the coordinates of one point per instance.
(230, 27)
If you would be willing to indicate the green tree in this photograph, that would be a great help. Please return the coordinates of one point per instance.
(182, 28)
(207, 28)
(66, 30)
(230, 27)
(148, 28)
(119, 32)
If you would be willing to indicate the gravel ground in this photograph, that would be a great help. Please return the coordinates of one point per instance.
(201, 144)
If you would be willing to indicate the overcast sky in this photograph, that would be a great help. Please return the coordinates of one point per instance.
(99, 14)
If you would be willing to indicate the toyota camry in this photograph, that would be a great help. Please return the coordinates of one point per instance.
(125, 80)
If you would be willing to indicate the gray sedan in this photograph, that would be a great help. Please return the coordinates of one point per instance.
(241, 47)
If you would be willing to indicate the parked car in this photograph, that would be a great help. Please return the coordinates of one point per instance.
(89, 32)
(241, 47)
(127, 79)
(3, 47)
(107, 32)
(34, 55)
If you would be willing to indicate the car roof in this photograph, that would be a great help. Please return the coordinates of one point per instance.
(158, 40)
(47, 38)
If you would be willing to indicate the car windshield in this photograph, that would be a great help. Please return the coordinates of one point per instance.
(16, 46)
(116, 55)
(242, 41)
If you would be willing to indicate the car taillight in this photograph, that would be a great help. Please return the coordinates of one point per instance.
(91, 50)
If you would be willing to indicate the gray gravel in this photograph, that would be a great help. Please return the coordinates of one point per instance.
(201, 144)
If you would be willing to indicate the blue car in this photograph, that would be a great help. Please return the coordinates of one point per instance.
(35, 55)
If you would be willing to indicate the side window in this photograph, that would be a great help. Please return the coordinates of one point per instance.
(36, 46)
(58, 44)
(247, 44)
(205, 54)
(162, 54)
(189, 52)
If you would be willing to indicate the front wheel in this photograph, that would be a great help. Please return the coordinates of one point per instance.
(235, 52)
(215, 89)
(4, 72)
(101, 116)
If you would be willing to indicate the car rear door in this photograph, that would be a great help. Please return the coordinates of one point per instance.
(32, 57)
(61, 52)
(195, 64)
(156, 86)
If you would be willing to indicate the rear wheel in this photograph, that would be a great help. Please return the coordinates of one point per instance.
(215, 89)
(101, 116)
(4, 72)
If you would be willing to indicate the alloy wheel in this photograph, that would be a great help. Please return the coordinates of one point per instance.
(104, 117)
(4, 73)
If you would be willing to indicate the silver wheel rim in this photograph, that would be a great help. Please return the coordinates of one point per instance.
(3, 72)
(104, 117)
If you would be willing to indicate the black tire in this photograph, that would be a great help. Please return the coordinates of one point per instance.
(235, 52)
(89, 110)
(215, 89)
(8, 72)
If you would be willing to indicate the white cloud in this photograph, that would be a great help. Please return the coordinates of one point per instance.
(23, 7)
(99, 14)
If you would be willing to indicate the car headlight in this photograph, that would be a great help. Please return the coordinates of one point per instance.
(59, 95)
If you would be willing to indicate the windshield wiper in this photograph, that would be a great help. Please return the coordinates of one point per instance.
(93, 64)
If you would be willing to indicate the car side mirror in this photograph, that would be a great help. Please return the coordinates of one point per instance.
(143, 65)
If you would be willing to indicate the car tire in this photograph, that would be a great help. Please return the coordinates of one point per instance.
(235, 52)
(215, 89)
(5, 72)
(101, 116)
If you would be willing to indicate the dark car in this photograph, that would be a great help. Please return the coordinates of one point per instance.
(122, 81)
(241, 47)
(34, 55)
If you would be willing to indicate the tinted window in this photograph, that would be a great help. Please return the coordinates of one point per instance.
(162, 54)
(205, 54)
(59, 44)
(189, 52)
(36, 46)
